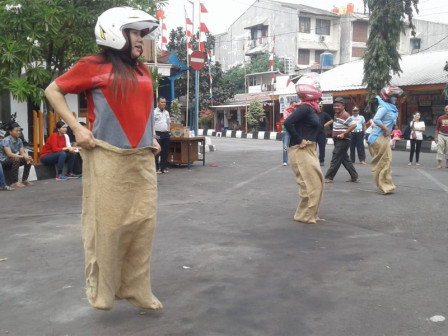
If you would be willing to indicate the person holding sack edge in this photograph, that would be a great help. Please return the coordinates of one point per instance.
(303, 126)
(379, 140)
(119, 178)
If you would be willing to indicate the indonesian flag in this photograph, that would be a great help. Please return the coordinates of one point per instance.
(201, 46)
(188, 21)
(160, 14)
(203, 9)
(163, 26)
(288, 82)
(189, 34)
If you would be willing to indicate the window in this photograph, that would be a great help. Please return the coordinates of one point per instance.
(323, 27)
(304, 24)
(358, 52)
(304, 56)
(415, 43)
(360, 29)
(317, 54)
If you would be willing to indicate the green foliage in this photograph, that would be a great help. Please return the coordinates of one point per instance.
(259, 63)
(255, 114)
(46, 37)
(175, 111)
(381, 59)
(221, 87)
(156, 77)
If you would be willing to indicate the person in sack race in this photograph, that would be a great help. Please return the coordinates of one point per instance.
(417, 129)
(119, 178)
(343, 125)
(379, 140)
(13, 155)
(303, 125)
(441, 138)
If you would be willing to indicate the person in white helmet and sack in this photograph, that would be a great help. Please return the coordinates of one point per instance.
(303, 125)
(119, 178)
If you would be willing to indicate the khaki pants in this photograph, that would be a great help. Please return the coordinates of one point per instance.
(442, 147)
(305, 166)
(118, 221)
(380, 165)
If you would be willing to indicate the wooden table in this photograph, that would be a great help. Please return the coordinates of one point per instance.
(185, 150)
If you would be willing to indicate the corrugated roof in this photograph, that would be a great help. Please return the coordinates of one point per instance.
(418, 69)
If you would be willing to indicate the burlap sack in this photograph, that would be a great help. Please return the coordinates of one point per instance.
(118, 221)
(308, 175)
(380, 164)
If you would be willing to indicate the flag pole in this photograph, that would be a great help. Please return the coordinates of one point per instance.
(188, 66)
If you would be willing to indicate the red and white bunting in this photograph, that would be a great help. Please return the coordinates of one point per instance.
(271, 62)
(188, 30)
(203, 9)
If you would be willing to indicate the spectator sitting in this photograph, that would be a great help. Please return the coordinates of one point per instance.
(3, 185)
(13, 155)
(58, 150)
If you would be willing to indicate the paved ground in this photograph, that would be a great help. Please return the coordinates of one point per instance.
(229, 260)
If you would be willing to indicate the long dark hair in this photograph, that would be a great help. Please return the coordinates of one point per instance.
(124, 68)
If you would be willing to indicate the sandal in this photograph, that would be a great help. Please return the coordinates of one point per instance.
(353, 180)
(158, 172)
(27, 183)
(164, 171)
(328, 181)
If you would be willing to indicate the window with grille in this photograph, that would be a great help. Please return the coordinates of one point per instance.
(323, 27)
(360, 29)
(358, 52)
(304, 56)
(304, 24)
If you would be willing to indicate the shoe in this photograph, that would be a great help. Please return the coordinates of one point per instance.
(61, 177)
(410, 164)
(72, 176)
(164, 171)
(7, 188)
(285, 164)
(28, 183)
(363, 163)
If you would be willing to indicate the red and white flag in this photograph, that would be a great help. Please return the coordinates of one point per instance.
(203, 9)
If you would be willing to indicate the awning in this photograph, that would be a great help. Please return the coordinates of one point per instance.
(257, 22)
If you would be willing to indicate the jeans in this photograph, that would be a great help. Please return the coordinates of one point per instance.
(339, 157)
(2, 178)
(321, 142)
(60, 158)
(164, 142)
(357, 142)
(415, 148)
(286, 137)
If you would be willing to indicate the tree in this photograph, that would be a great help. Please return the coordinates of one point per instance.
(48, 36)
(255, 115)
(221, 87)
(382, 58)
(258, 63)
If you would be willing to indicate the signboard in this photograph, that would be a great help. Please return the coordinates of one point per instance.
(327, 98)
(197, 60)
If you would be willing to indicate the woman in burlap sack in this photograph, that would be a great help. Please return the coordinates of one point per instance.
(119, 180)
(304, 125)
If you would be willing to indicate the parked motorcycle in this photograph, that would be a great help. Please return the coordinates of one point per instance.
(4, 127)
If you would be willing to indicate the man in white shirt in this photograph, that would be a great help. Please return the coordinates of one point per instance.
(162, 127)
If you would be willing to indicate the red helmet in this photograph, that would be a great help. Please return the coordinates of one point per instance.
(388, 92)
(307, 92)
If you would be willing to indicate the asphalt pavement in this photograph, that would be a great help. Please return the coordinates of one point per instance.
(229, 259)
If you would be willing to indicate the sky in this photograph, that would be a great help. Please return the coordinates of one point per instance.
(222, 13)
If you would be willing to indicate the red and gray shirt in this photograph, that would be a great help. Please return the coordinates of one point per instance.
(124, 123)
(442, 125)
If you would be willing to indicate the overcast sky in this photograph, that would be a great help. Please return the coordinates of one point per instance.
(222, 13)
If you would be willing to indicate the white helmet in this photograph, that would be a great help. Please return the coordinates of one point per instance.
(110, 25)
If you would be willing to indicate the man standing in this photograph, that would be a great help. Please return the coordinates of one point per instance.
(379, 140)
(162, 126)
(441, 138)
(325, 120)
(343, 124)
(357, 137)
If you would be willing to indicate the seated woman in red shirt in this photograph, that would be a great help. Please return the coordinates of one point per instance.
(58, 150)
